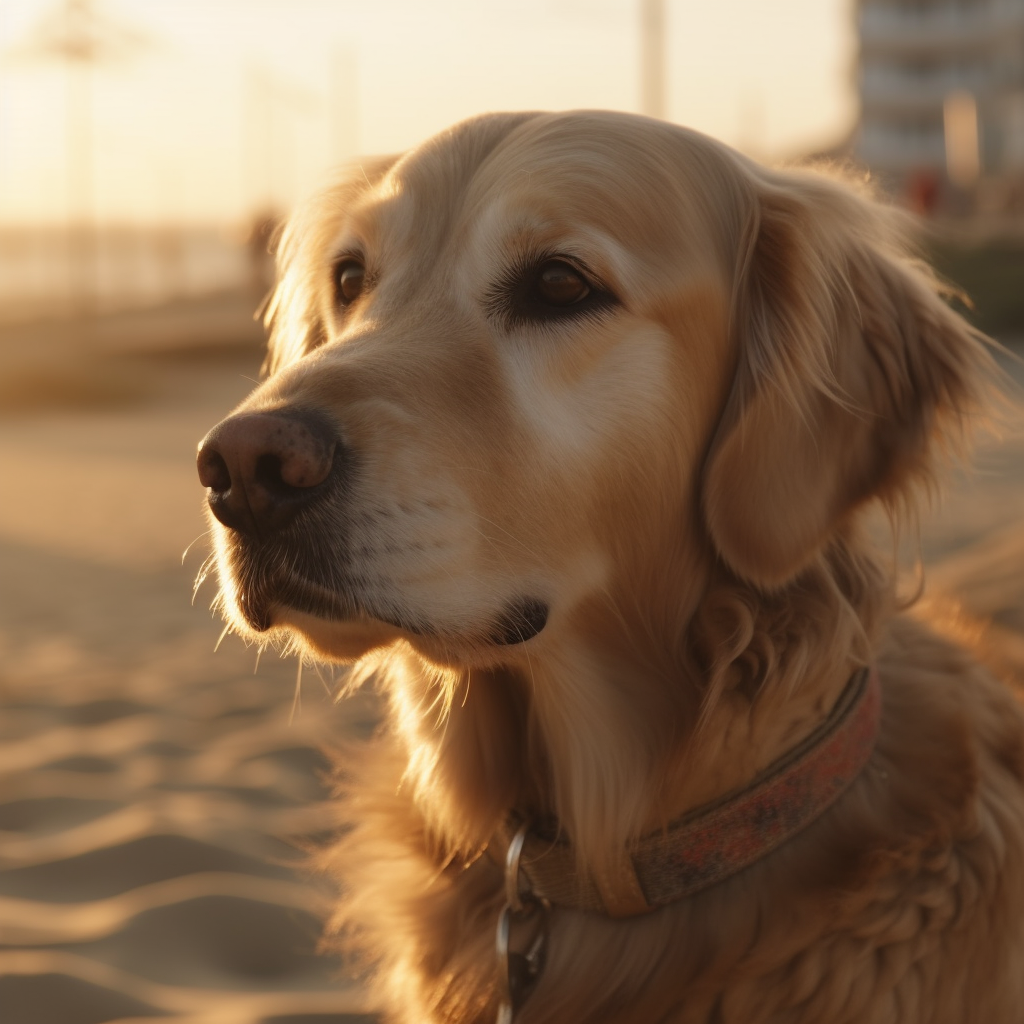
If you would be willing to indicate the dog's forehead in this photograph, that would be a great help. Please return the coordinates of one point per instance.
(424, 190)
(640, 182)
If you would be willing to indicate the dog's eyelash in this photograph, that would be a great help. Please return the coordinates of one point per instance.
(514, 298)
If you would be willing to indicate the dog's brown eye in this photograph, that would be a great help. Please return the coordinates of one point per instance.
(559, 284)
(548, 290)
(349, 276)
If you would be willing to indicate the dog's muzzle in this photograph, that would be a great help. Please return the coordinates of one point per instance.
(262, 471)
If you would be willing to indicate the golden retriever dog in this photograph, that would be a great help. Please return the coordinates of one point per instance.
(571, 428)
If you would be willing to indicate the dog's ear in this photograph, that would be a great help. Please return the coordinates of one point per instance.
(296, 310)
(850, 367)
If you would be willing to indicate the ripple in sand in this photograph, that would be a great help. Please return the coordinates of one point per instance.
(34, 923)
(59, 999)
(83, 763)
(320, 1018)
(95, 712)
(31, 975)
(221, 942)
(106, 872)
(43, 815)
(304, 761)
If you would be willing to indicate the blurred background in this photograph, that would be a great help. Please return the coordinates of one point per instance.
(155, 797)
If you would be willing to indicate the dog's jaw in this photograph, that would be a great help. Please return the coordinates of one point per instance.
(346, 615)
(335, 640)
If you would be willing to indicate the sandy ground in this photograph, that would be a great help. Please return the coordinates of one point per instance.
(152, 792)
(154, 796)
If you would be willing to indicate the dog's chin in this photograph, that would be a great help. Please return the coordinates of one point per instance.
(350, 638)
(344, 640)
(341, 626)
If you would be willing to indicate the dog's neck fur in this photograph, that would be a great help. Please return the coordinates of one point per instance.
(637, 744)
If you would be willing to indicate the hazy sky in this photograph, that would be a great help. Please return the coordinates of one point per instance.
(228, 105)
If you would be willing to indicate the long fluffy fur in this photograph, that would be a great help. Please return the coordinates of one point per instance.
(741, 595)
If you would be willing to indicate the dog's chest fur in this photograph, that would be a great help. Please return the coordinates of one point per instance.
(921, 865)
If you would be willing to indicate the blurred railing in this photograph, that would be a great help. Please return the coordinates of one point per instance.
(55, 272)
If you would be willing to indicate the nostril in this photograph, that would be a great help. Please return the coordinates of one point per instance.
(268, 474)
(213, 470)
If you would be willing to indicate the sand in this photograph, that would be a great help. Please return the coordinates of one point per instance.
(154, 795)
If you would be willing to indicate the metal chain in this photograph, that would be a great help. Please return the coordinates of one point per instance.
(518, 973)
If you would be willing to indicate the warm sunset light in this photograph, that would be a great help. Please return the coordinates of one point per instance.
(579, 432)
(208, 109)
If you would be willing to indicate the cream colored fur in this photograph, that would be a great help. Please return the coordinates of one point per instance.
(682, 479)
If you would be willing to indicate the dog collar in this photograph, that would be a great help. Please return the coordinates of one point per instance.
(717, 840)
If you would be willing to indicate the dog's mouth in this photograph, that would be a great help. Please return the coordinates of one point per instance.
(261, 597)
(520, 620)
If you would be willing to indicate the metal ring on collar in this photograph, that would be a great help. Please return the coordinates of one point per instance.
(513, 856)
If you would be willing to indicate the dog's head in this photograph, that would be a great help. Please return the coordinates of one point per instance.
(543, 372)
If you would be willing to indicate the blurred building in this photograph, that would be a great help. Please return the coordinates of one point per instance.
(941, 87)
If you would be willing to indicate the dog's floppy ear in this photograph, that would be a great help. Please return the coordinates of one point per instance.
(294, 312)
(849, 367)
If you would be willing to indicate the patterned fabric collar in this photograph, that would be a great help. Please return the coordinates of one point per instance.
(719, 839)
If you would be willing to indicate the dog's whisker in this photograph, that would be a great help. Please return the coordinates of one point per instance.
(184, 554)
(323, 682)
(297, 699)
(203, 574)
(223, 633)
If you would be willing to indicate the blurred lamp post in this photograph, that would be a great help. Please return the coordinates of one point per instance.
(960, 123)
(273, 106)
(344, 105)
(78, 35)
(652, 57)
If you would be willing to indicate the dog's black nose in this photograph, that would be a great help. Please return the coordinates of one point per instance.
(262, 468)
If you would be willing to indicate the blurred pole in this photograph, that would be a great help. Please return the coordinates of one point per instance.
(82, 229)
(751, 125)
(960, 124)
(259, 143)
(344, 106)
(652, 58)
(74, 31)
(286, 102)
